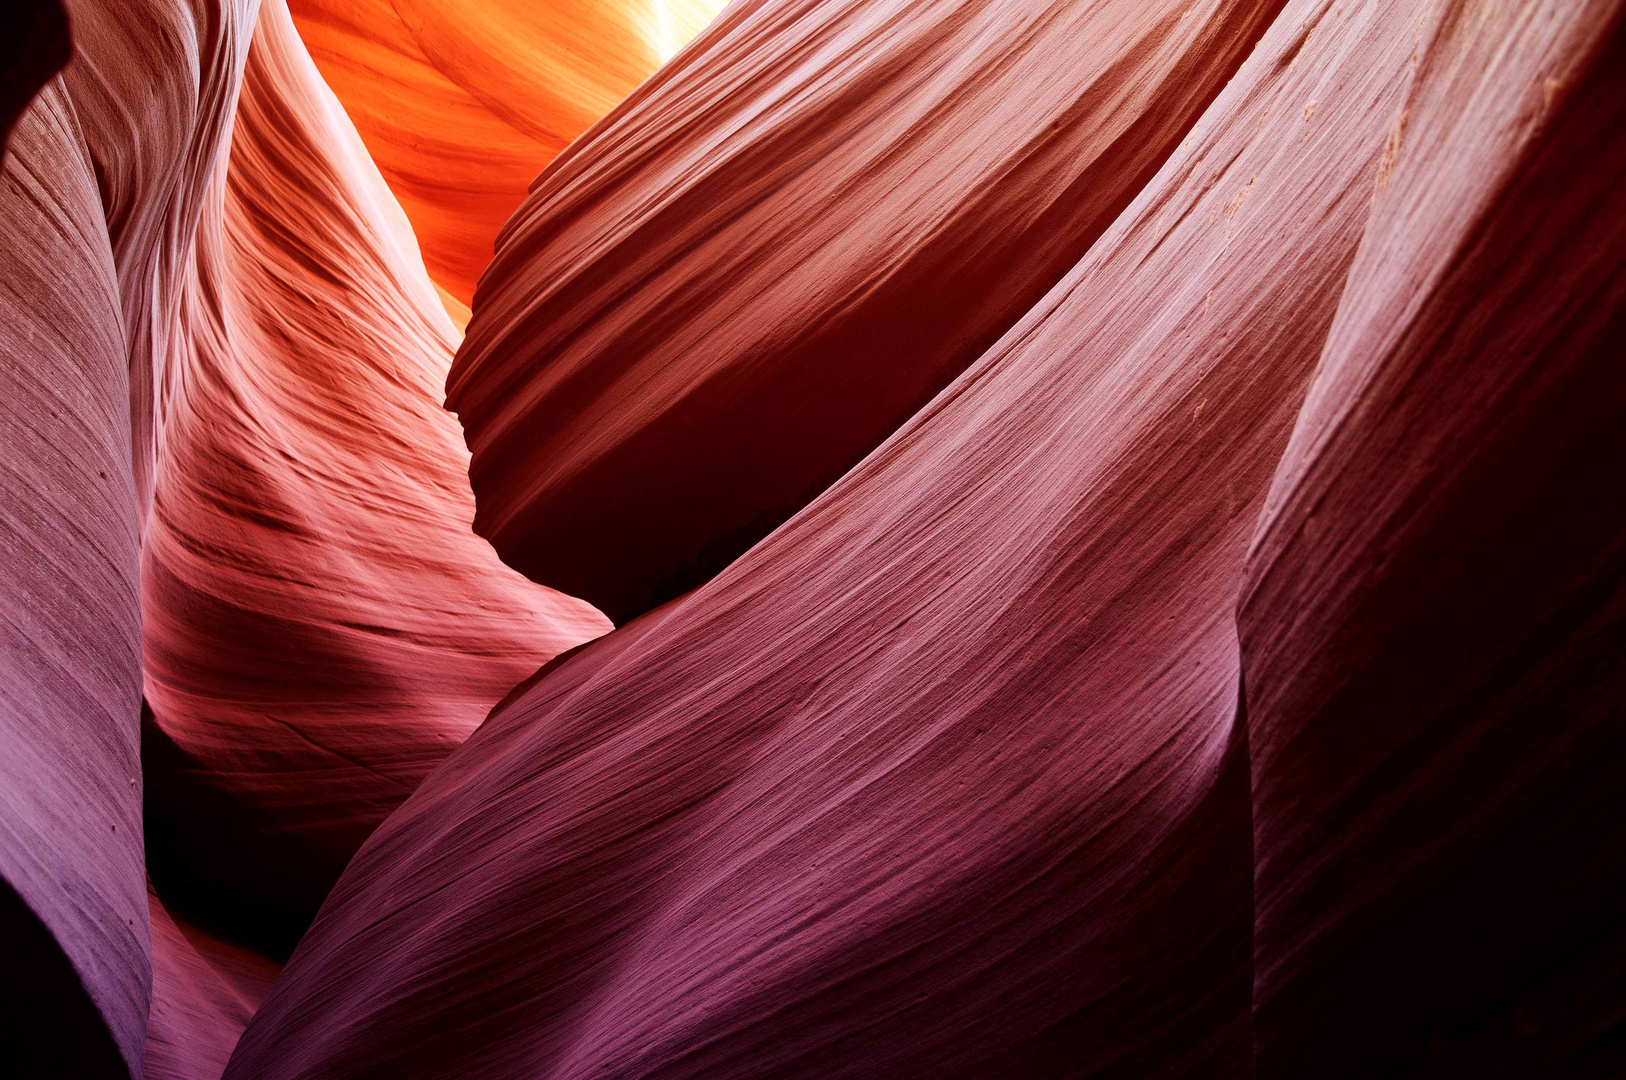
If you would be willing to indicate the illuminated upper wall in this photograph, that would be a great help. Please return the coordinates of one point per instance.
(462, 102)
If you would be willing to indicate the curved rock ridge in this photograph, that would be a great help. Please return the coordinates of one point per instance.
(311, 376)
(461, 102)
(100, 197)
(72, 913)
(204, 991)
(321, 626)
(945, 777)
(153, 85)
(1435, 625)
(782, 246)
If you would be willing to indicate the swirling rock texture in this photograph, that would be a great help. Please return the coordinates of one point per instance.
(1436, 606)
(1211, 665)
(134, 336)
(868, 804)
(761, 265)
(312, 516)
(204, 989)
(153, 85)
(95, 183)
(71, 907)
(461, 102)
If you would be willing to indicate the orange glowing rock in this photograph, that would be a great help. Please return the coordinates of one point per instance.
(320, 625)
(461, 103)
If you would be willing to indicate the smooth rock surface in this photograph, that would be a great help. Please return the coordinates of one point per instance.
(462, 102)
(321, 626)
(72, 908)
(1221, 677)
(154, 85)
(945, 777)
(98, 205)
(204, 991)
(777, 250)
(1434, 632)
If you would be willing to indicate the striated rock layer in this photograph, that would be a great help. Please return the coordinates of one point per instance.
(1221, 677)
(97, 202)
(1435, 624)
(461, 102)
(71, 909)
(153, 86)
(321, 625)
(204, 991)
(758, 267)
(944, 778)
(221, 412)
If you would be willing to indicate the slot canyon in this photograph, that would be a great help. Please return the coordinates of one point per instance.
(813, 539)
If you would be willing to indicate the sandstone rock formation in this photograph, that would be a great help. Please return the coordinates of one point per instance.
(97, 203)
(152, 87)
(161, 306)
(204, 991)
(71, 896)
(462, 102)
(945, 778)
(1114, 507)
(321, 627)
(776, 251)
(1433, 626)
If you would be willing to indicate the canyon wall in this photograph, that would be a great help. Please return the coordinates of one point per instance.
(952, 774)
(101, 192)
(1113, 510)
(230, 486)
(1432, 628)
(767, 259)
(321, 626)
(462, 102)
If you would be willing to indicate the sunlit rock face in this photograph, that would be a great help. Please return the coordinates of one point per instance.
(946, 777)
(321, 625)
(97, 201)
(1195, 646)
(774, 253)
(462, 102)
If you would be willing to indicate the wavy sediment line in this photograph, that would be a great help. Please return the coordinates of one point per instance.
(321, 626)
(758, 267)
(462, 102)
(865, 804)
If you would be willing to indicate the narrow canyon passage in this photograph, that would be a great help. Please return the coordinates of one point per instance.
(813, 538)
